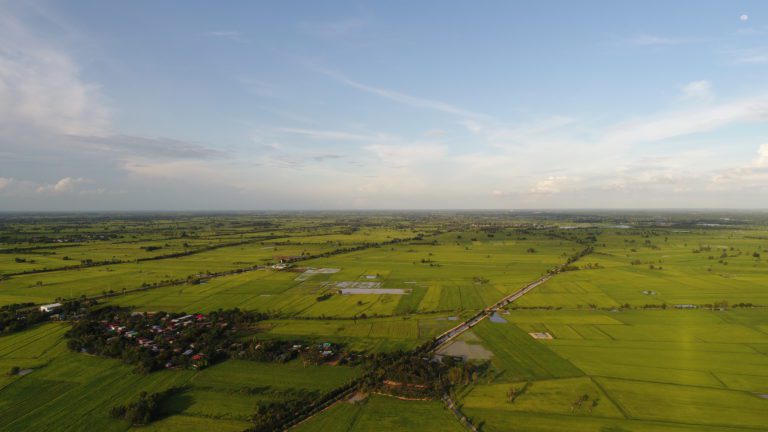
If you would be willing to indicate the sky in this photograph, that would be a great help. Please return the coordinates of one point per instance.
(270, 105)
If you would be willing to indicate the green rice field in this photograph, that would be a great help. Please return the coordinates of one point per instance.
(658, 327)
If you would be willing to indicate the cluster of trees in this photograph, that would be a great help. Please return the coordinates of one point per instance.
(23, 260)
(581, 400)
(271, 416)
(167, 344)
(572, 259)
(281, 351)
(87, 262)
(412, 374)
(145, 409)
(19, 316)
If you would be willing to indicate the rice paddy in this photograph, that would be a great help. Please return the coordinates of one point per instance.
(658, 329)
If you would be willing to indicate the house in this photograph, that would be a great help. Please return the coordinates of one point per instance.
(199, 361)
(285, 259)
(50, 307)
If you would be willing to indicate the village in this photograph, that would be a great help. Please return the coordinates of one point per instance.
(160, 340)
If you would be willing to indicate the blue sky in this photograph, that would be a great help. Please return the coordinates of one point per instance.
(183, 105)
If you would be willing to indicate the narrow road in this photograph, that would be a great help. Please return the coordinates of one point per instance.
(456, 412)
(485, 313)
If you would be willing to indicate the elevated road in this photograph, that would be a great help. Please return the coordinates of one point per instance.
(485, 313)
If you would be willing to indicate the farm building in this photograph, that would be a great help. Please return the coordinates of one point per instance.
(50, 307)
(284, 259)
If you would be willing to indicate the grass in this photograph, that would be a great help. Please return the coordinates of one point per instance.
(380, 413)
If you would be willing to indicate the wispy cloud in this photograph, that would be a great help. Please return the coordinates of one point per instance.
(335, 135)
(518, 134)
(685, 122)
(232, 35)
(698, 90)
(403, 98)
(160, 148)
(757, 55)
(654, 40)
(333, 28)
(10, 186)
(404, 155)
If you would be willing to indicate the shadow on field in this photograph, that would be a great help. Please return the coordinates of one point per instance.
(176, 403)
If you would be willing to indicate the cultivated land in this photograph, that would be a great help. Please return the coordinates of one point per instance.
(661, 325)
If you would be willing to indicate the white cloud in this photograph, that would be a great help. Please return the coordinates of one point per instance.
(41, 87)
(762, 156)
(550, 185)
(686, 122)
(698, 90)
(65, 185)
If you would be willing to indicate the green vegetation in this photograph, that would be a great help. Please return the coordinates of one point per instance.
(652, 324)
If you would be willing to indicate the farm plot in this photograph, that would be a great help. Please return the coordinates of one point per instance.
(382, 334)
(667, 267)
(518, 357)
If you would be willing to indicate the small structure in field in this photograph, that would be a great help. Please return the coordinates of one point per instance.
(541, 335)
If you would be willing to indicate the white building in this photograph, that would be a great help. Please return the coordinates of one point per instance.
(50, 307)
